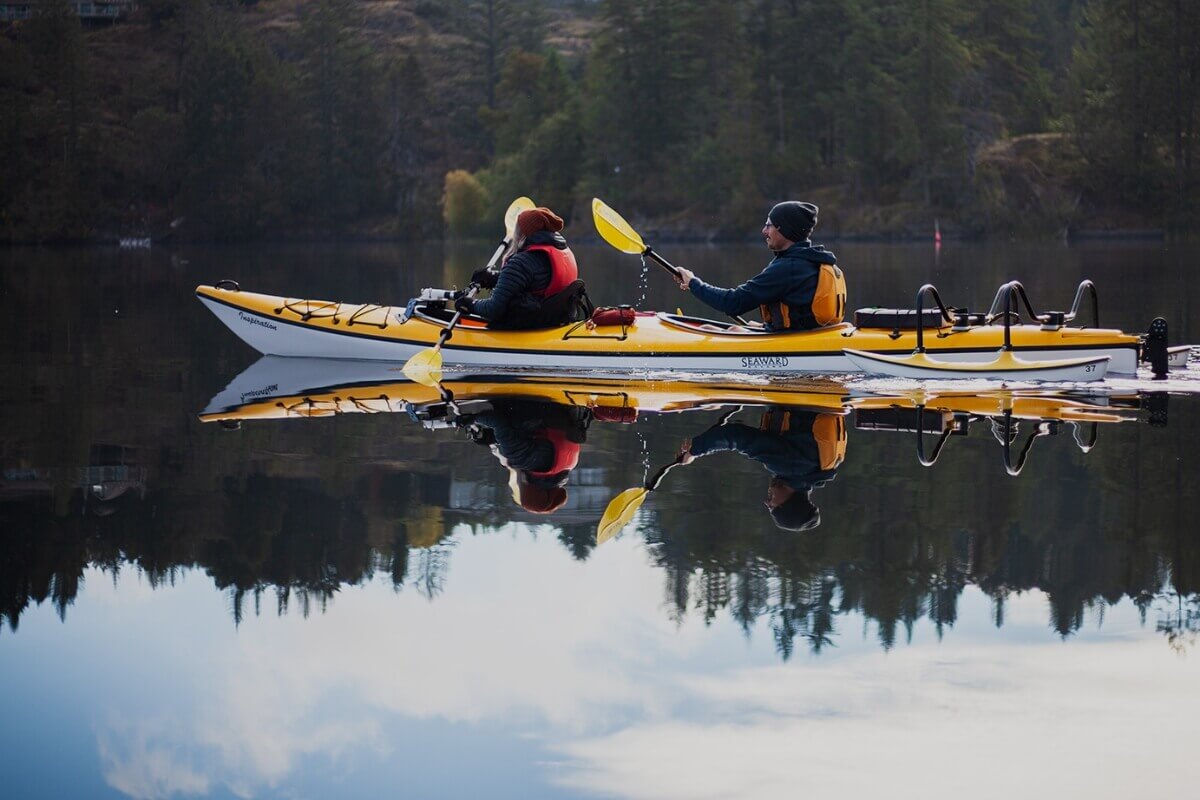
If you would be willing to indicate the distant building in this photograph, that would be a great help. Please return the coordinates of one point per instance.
(98, 11)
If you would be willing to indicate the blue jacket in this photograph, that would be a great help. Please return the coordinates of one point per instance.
(794, 457)
(790, 278)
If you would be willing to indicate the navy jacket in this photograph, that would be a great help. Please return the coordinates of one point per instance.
(793, 457)
(525, 272)
(515, 425)
(790, 278)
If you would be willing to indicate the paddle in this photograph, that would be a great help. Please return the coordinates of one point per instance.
(425, 367)
(621, 508)
(620, 234)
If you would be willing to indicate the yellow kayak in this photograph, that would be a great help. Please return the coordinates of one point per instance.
(654, 342)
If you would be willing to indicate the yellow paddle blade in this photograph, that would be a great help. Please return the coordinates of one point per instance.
(620, 512)
(615, 230)
(514, 210)
(425, 367)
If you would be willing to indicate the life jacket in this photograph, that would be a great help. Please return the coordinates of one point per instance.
(829, 301)
(828, 304)
(828, 431)
(566, 452)
(563, 269)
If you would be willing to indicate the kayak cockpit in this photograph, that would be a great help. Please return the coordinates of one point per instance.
(711, 326)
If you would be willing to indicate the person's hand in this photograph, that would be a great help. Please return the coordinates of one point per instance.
(685, 452)
(685, 277)
(463, 303)
(480, 434)
(485, 278)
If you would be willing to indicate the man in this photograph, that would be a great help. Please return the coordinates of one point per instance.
(801, 449)
(800, 289)
(537, 286)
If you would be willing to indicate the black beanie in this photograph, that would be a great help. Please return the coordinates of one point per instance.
(794, 219)
(797, 513)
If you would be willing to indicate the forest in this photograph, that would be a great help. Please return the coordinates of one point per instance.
(419, 119)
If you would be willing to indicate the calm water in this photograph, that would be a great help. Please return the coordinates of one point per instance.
(300, 603)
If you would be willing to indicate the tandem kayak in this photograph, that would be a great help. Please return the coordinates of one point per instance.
(652, 342)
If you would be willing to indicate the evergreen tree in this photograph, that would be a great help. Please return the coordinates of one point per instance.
(340, 81)
(62, 199)
(225, 76)
(413, 154)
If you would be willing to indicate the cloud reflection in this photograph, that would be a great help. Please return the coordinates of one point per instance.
(583, 658)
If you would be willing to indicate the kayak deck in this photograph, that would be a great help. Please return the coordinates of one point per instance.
(276, 325)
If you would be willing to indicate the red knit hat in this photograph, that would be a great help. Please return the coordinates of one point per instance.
(538, 219)
(542, 499)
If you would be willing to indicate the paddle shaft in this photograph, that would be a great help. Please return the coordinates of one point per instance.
(662, 262)
(674, 270)
(500, 248)
(471, 290)
(448, 332)
(653, 483)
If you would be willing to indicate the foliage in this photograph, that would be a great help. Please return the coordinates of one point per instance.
(337, 117)
(464, 201)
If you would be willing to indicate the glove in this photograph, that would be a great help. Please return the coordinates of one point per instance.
(485, 278)
(463, 303)
(481, 435)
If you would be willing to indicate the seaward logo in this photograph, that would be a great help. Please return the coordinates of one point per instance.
(764, 362)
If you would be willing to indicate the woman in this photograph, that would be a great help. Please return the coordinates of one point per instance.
(538, 284)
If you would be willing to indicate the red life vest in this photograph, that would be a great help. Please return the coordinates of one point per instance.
(566, 453)
(563, 269)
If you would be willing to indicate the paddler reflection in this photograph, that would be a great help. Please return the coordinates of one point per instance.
(801, 449)
(538, 442)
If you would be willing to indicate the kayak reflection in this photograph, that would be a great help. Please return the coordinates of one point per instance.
(536, 427)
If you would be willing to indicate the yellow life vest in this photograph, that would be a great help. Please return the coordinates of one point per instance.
(829, 302)
(828, 430)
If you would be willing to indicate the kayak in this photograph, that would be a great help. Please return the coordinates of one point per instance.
(651, 342)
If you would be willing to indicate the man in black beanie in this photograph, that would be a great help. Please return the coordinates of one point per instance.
(784, 290)
(799, 448)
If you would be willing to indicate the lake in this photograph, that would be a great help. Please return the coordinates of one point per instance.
(230, 577)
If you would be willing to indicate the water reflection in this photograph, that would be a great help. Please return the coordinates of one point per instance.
(300, 526)
(285, 508)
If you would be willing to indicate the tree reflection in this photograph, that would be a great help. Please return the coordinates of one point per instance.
(300, 510)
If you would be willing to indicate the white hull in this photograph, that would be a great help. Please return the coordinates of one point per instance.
(1004, 367)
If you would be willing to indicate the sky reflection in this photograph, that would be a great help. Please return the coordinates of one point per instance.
(533, 674)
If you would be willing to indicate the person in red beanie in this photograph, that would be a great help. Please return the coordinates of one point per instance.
(539, 442)
(538, 283)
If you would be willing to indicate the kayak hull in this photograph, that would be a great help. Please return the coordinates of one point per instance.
(1003, 367)
(275, 325)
